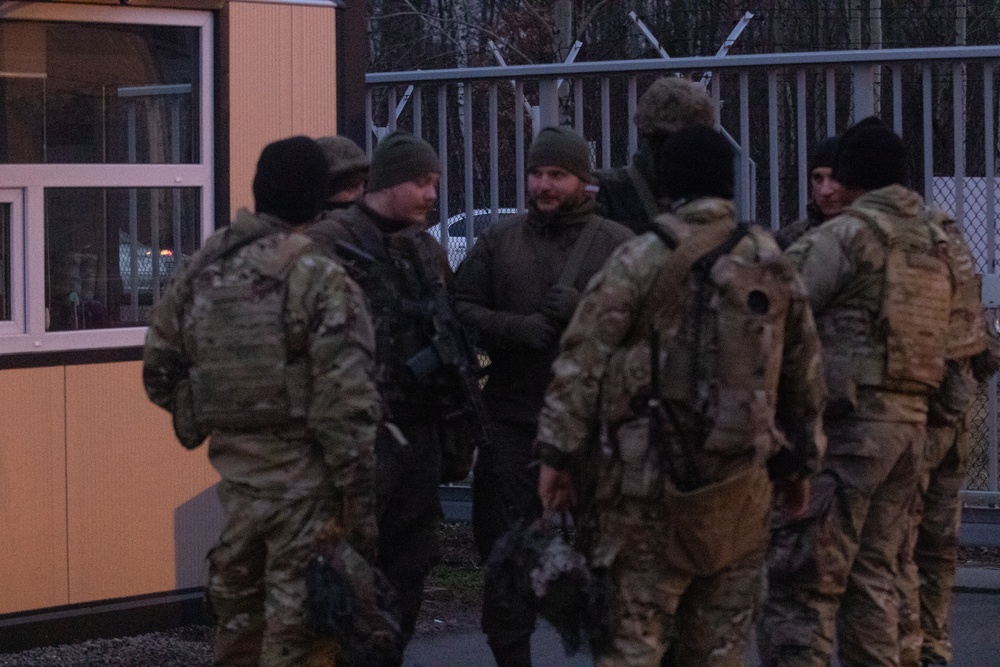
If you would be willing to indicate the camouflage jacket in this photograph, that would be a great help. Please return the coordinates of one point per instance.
(331, 449)
(595, 381)
(401, 266)
(792, 232)
(844, 266)
(505, 278)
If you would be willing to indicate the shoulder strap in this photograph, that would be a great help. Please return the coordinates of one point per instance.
(571, 270)
(646, 196)
(665, 298)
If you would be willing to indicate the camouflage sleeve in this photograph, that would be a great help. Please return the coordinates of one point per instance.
(344, 407)
(966, 327)
(602, 319)
(801, 388)
(164, 364)
(821, 260)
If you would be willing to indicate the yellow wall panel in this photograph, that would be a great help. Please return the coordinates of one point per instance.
(32, 490)
(282, 81)
(141, 508)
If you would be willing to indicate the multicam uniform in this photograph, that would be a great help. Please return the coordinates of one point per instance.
(930, 556)
(409, 473)
(681, 524)
(265, 345)
(881, 290)
(792, 232)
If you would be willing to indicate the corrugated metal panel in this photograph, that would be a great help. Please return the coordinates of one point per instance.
(282, 81)
(32, 490)
(140, 508)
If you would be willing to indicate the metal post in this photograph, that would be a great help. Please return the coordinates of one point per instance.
(443, 202)
(605, 123)
(467, 139)
(578, 105)
(928, 132)
(519, 144)
(391, 110)
(633, 137)
(958, 137)
(802, 140)
(897, 100)
(548, 104)
(772, 135)
(418, 112)
(745, 191)
(831, 102)
(369, 122)
(862, 91)
(494, 158)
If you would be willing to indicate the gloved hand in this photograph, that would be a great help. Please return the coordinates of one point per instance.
(560, 303)
(536, 331)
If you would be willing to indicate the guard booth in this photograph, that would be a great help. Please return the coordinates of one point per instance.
(128, 132)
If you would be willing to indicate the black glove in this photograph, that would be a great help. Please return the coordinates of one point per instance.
(536, 331)
(560, 303)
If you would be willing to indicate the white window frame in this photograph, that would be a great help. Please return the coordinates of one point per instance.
(32, 180)
(15, 200)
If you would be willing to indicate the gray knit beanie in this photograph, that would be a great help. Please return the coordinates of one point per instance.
(399, 158)
(560, 147)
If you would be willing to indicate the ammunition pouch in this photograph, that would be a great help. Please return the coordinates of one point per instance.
(186, 427)
(717, 525)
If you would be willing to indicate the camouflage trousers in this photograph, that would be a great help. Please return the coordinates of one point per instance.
(834, 570)
(409, 513)
(662, 615)
(930, 558)
(256, 585)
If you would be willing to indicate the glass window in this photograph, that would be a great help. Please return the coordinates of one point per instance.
(109, 252)
(98, 93)
(5, 293)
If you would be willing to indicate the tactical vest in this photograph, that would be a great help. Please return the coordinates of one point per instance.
(891, 335)
(721, 332)
(395, 296)
(251, 370)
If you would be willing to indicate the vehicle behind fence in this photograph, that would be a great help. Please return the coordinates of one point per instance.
(773, 108)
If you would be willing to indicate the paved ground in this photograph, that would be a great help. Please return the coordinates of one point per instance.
(975, 621)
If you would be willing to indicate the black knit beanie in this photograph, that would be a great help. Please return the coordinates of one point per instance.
(823, 153)
(560, 147)
(401, 157)
(290, 182)
(695, 162)
(870, 156)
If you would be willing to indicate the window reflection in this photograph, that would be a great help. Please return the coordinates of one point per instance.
(5, 296)
(109, 252)
(98, 93)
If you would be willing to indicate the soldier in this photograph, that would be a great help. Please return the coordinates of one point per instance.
(881, 290)
(348, 171)
(264, 344)
(516, 290)
(930, 555)
(404, 272)
(826, 194)
(633, 195)
(688, 350)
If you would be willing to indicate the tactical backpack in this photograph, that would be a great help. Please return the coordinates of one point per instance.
(251, 371)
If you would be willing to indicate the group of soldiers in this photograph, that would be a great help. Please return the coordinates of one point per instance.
(745, 437)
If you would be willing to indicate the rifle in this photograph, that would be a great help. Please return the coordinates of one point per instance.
(450, 350)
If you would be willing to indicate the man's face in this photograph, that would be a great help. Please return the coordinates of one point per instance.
(549, 188)
(412, 201)
(826, 192)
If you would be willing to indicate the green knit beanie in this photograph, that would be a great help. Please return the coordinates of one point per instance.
(560, 147)
(399, 158)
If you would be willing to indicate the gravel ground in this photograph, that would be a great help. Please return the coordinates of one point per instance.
(452, 604)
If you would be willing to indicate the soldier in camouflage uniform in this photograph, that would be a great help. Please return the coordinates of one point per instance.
(689, 350)
(881, 290)
(930, 555)
(633, 195)
(517, 289)
(348, 171)
(826, 194)
(383, 241)
(264, 345)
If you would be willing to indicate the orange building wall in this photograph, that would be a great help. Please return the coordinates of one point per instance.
(280, 82)
(97, 498)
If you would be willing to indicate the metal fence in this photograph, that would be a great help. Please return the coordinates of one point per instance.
(774, 107)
